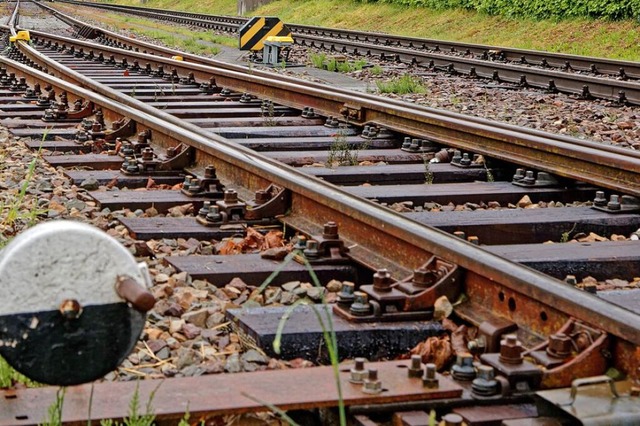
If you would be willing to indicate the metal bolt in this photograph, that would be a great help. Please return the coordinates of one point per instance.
(519, 175)
(205, 209)
(529, 179)
(406, 144)
(330, 231)
(346, 297)
(559, 345)
(415, 369)
(214, 214)
(147, 155)
(429, 379)
(360, 305)
(230, 196)
(600, 199)
(485, 384)
(614, 203)
(357, 372)
(465, 161)
(415, 144)
(70, 309)
(372, 384)
(301, 243)
(457, 156)
(382, 281)
(422, 277)
(463, 369)
(210, 172)
(312, 249)
(261, 196)
(511, 350)
(571, 280)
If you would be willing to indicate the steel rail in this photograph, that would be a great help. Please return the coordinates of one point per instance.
(362, 222)
(612, 67)
(587, 161)
(142, 45)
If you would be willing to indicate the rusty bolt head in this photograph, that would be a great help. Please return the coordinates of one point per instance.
(345, 297)
(415, 369)
(422, 277)
(600, 199)
(372, 384)
(261, 196)
(463, 369)
(382, 281)
(70, 309)
(511, 350)
(210, 172)
(357, 372)
(330, 231)
(230, 196)
(560, 345)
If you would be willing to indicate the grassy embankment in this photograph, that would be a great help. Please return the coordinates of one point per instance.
(619, 40)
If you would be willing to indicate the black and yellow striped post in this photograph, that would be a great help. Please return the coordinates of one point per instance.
(254, 33)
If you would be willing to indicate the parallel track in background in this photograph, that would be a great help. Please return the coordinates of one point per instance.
(587, 77)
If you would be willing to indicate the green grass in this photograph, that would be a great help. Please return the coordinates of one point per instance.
(577, 36)
(402, 85)
(322, 61)
(9, 377)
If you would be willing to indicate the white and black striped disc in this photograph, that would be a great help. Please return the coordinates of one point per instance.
(61, 320)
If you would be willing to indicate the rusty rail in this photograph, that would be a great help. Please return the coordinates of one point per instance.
(364, 223)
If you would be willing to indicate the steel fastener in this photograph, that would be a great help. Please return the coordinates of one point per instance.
(415, 369)
(372, 384)
(360, 305)
(560, 345)
(463, 369)
(511, 350)
(429, 379)
(485, 384)
(358, 372)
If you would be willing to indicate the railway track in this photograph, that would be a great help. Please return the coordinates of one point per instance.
(248, 125)
(585, 77)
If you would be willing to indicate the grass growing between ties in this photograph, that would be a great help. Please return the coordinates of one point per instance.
(341, 153)
(403, 85)
(322, 61)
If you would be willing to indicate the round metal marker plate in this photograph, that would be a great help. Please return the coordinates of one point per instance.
(61, 319)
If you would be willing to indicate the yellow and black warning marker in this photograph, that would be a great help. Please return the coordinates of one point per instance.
(254, 33)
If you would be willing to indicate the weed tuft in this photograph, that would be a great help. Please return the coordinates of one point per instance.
(341, 153)
(402, 85)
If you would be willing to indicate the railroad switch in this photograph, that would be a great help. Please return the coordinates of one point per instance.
(410, 299)
(90, 316)
(616, 204)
